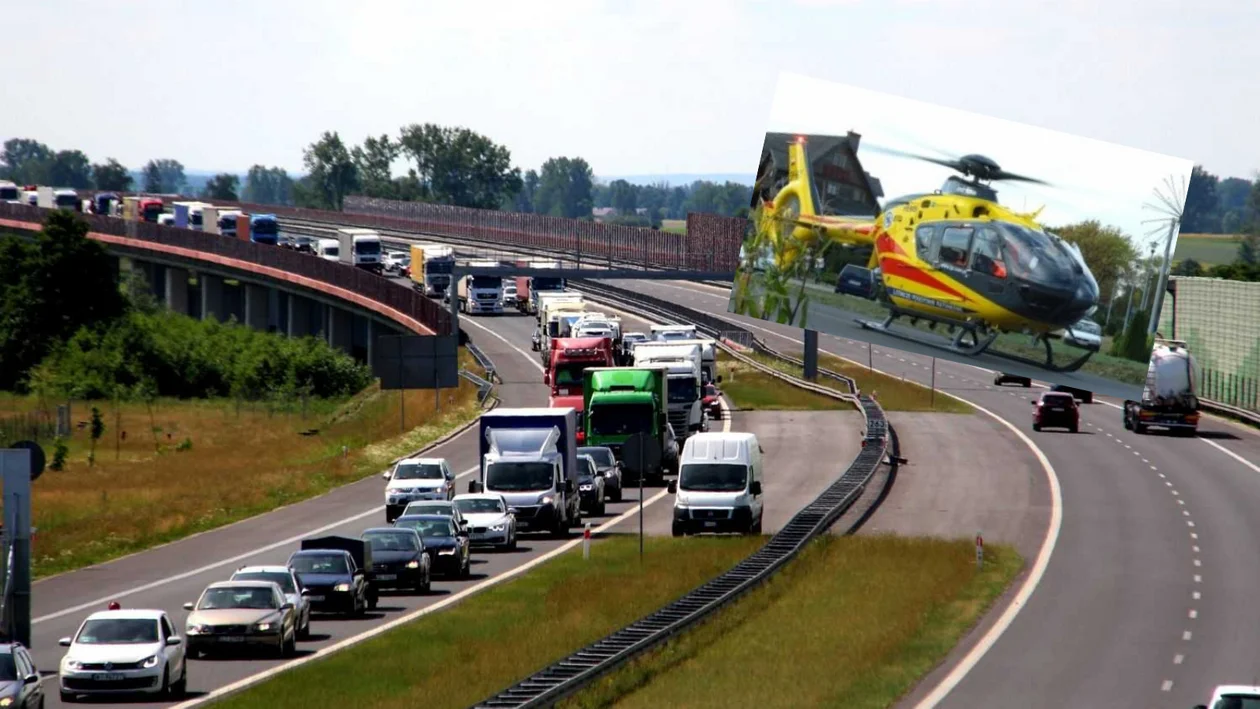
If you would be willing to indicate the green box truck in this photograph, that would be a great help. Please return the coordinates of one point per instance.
(621, 401)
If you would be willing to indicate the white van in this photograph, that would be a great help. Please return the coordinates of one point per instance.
(329, 249)
(719, 484)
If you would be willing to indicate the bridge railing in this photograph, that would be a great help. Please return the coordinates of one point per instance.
(356, 280)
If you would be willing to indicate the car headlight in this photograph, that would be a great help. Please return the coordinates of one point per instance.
(197, 629)
(498, 527)
(6, 701)
(262, 627)
(446, 552)
(342, 587)
(546, 500)
(586, 488)
(74, 665)
(150, 661)
(413, 564)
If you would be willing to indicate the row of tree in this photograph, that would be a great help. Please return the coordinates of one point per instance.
(91, 337)
(1216, 205)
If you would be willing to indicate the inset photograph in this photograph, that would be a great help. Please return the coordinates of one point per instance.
(1029, 252)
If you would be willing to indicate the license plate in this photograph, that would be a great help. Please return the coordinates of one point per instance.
(386, 577)
(109, 676)
(855, 283)
(315, 599)
(1056, 409)
(710, 524)
(232, 639)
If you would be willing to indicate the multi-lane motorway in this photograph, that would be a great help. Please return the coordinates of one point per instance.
(1148, 597)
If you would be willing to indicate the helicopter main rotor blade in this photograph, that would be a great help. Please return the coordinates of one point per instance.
(869, 148)
(1005, 176)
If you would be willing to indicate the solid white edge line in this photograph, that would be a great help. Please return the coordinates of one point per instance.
(418, 613)
(1254, 468)
(973, 657)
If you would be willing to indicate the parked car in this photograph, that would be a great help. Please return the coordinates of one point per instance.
(242, 614)
(1056, 409)
(1003, 378)
(124, 652)
(856, 280)
(1086, 334)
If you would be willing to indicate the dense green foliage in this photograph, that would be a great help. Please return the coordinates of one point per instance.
(68, 328)
(1216, 205)
(50, 286)
(164, 354)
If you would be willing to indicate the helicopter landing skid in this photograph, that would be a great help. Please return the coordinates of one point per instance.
(1048, 364)
(979, 343)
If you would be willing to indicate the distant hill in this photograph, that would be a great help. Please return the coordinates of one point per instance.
(678, 179)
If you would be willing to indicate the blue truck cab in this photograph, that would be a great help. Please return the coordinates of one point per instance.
(263, 229)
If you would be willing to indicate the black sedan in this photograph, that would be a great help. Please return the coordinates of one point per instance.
(590, 486)
(448, 547)
(398, 559)
(606, 463)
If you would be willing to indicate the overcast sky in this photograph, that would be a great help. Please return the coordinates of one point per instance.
(1089, 179)
(654, 86)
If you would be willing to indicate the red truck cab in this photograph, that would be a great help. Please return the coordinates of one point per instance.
(150, 209)
(569, 357)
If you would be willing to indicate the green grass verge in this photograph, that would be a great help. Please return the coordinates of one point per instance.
(853, 622)
(751, 390)
(1100, 364)
(674, 226)
(1207, 249)
(468, 652)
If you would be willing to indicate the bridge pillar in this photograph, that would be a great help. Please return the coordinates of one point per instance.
(176, 288)
(299, 321)
(212, 305)
(340, 329)
(371, 337)
(257, 306)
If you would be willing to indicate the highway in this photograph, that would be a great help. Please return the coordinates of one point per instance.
(1148, 597)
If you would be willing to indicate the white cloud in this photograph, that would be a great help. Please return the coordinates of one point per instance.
(1090, 179)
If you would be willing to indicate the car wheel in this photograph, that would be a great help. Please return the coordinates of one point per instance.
(1075, 428)
(756, 528)
(69, 697)
(305, 633)
(180, 688)
(166, 683)
(676, 530)
(512, 543)
(1036, 427)
(617, 494)
(603, 509)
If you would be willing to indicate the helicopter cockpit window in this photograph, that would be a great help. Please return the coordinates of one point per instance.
(955, 245)
(923, 240)
(986, 253)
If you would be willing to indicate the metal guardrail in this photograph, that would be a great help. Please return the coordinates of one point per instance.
(720, 328)
(483, 360)
(484, 388)
(1217, 407)
(576, 671)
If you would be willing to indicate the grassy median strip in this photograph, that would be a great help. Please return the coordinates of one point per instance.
(174, 468)
(751, 390)
(853, 622)
(494, 639)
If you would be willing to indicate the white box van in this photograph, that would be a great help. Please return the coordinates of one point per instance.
(328, 249)
(719, 484)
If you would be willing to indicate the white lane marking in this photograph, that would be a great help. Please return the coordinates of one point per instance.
(1186, 512)
(1254, 468)
(1194, 535)
(1195, 549)
(263, 549)
(1186, 635)
(1198, 563)
(1189, 523)
(1167, 482)
(1194, 613)
(1177, 660)
(222, 562)
(1167, 686)
(1180, 502)
(385, 627)
(1198, 578)
(1196, 595)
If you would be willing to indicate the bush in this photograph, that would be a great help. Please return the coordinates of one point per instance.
(165, 354)
(60, 451)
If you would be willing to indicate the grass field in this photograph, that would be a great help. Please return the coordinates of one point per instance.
(468, 652)
(189, 466)
(1100, 364)
(752, 390)
(854, 622)
(677, 226)
(1207, 249)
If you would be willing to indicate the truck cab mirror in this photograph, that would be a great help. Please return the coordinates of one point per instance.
(673, 487)
(755, 487)
(386, 475)
(547, 378)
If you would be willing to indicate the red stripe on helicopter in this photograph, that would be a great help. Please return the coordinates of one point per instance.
(901, 269)
(885, 244)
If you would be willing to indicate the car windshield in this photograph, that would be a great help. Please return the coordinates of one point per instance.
(428, 508)
(8, 668)
(571, 374)
(1087, 326)
(713, 477)
(519, 477)
(319, 564)
(237, 597)
(9, 193)
(710, 390)
(367, 247)
(1058, 399)
(264, 227)
(118, 631)
(620, 419)
(429, 527)
(391, 541)
(682, 390)
(414, 471)
(480, 505)
(67, 200)
(540, 283)
(332, 251)
(602, 456)
(281, 579)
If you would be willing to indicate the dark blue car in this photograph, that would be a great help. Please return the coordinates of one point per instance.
(855, 280)
(447, 545)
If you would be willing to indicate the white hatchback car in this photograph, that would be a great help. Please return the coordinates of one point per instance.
(123, 652)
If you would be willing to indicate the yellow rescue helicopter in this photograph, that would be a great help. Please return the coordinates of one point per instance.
(953, 257)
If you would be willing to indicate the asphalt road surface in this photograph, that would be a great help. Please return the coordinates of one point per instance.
(1148, 597)
(171, 575)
